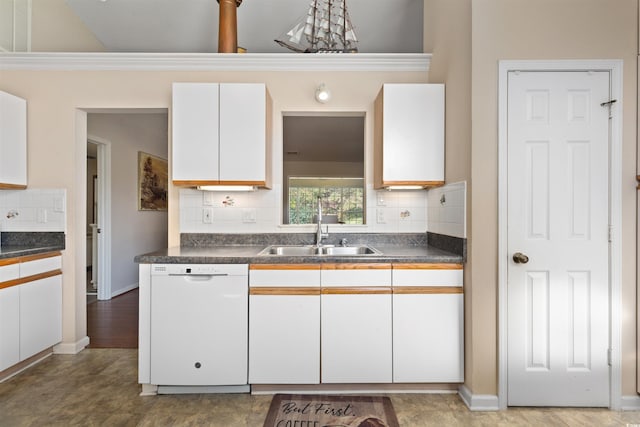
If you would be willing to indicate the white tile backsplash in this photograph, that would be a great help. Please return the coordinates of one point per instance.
(33, 210)
(447, 215)
(228, 217)
(386, 211)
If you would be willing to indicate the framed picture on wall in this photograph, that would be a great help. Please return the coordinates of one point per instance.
(153, 182)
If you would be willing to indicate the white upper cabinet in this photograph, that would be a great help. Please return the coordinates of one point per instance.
(13, 142)
(221, 134)
(195, 126)
(409, 135)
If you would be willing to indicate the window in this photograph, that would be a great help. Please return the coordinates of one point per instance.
(342, 200)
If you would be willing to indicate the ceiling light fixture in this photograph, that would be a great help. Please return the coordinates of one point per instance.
(323, 94)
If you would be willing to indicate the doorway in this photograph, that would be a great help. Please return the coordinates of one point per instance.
(559, 164)
(98, 219)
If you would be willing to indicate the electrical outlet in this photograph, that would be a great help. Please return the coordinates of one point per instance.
(380, 199)
(42, 215)
(58, 204)
(207, 215)
(380, 216)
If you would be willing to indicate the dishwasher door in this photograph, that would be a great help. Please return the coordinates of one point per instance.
(199, 328)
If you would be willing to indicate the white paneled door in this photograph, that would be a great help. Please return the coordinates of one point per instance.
(558, 228)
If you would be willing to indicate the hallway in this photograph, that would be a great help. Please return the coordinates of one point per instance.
(114, 323)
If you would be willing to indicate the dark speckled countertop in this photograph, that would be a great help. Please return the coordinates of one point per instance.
(227, 249)
(17, 244)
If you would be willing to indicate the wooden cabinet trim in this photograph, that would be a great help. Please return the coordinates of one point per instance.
(368, 290)
(424, 266)
(195, 183)
(27, 258)
(356, 266)
(33, 278)
(284, 267)
(4, 186)
(427, 290)
(282, 291)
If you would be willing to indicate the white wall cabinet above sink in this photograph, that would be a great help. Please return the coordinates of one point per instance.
(409, 135)
(13, 142)
(221, 134)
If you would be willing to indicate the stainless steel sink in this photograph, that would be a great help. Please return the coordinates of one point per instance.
(291, 250)
(308, 250)
(349, 250)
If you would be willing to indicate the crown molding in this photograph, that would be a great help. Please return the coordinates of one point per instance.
(116, 61)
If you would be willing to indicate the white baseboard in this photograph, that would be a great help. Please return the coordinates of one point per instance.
(124, 290)
(71, 348)
(478, 402)
(630, 403)
(149, 390)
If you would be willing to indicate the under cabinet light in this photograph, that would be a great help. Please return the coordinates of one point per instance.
(226, 188)
(405, 187)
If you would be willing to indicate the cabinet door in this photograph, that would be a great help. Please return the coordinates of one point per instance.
(413, 133)
(199, 330)
(284, 338)
(13, 141)
(9, 327)
(428, 338)
(195, 126)
(243, 133)
(40, 315)
(428, 328)
(356, 338)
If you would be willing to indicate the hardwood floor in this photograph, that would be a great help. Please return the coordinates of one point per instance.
(114, 323)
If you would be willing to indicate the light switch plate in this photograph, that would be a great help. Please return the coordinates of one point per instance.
(207, 198)
(380, 199)
(380, 216)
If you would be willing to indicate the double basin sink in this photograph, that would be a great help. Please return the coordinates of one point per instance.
(312, 250)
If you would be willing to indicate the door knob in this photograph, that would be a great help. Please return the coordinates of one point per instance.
(520, 258)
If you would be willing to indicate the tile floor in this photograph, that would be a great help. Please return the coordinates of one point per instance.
(98, 387)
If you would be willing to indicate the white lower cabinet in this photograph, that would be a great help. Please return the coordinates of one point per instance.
(199, 330)
(284, 324)
(428, 323)
(9, 330)
(356, 323)
(30, 306)
(40, 315)
(356, 337)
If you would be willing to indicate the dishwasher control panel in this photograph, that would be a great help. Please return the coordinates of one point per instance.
(200, 269)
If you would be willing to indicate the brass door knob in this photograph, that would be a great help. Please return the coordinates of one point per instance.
(520, 258)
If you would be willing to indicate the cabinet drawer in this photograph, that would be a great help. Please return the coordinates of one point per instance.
(9, 272)
(436, 275)
(350, 275)
(284, 275)
(43, 265)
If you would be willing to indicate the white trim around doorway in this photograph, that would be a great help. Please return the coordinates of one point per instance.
(614, 67)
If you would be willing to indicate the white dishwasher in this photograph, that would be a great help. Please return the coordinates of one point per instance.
(199, 326)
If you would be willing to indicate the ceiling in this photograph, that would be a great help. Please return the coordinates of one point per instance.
(382, 26)
(319, 138)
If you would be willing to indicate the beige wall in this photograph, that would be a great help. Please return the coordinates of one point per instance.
(57, 135)
(55, 28)
(544, 29)
(447, 35)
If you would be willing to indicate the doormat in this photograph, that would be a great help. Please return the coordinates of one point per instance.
(303, 410)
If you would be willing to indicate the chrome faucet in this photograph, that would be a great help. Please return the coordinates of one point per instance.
(319, 234)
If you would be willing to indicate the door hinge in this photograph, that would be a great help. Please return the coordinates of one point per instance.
(609, 356)
(610, 233)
